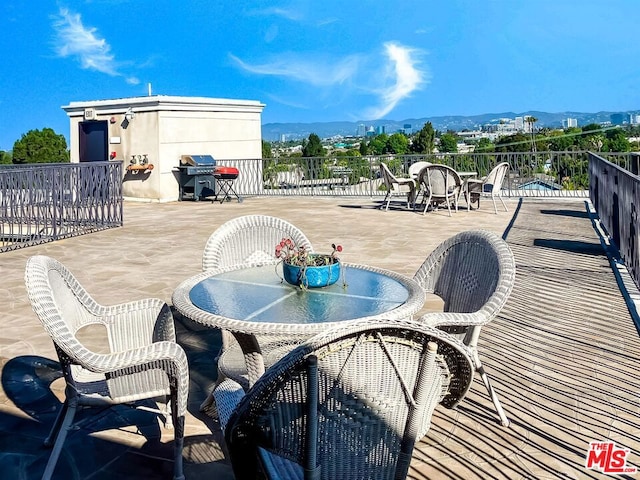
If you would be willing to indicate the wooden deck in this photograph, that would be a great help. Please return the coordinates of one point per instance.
(563, 355)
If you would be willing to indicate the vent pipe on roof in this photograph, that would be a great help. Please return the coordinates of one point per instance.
(149, 88)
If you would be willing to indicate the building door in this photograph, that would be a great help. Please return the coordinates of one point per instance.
(93, 142)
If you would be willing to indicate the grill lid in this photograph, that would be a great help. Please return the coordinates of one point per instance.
(197, 160)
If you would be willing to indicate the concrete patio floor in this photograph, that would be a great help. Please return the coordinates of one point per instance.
(563, 355)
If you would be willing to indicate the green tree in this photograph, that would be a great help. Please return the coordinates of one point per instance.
(532, 129)
(559, 141)
(352, 152)
(312, 147)
(266, 150)
(591, 138)
(517, 142)
(364, 149)
(41, 147)
(591, 127)
(378, 144)
(5, 157)
(425, 139)
(617, 141)
(448, 143)
(398, 143)
(485, 145)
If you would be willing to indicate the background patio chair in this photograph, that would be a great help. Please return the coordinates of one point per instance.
(440, 184)
(242, 242)
(415, 168)
(348, 403)
(143, 359)
(473, 273)
(397, 186)
(489, 186)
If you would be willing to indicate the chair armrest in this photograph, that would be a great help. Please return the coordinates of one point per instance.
(476, 180)
(442, 319)
(167, 356)
(409, 182)
(227, 395)
(155, 352)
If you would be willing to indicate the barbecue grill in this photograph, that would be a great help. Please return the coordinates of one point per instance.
(200, 177)
(197, 179)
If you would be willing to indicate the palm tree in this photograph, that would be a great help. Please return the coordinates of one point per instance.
(531, 120)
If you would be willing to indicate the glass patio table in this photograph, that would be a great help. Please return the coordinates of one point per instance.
(253, 302)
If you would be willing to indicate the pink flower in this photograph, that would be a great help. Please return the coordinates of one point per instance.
(288, 252)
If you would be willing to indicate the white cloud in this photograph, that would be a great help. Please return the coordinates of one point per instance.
(288, 13)
(306, 70)
(404, 76)
(389, 81)
(73, 39)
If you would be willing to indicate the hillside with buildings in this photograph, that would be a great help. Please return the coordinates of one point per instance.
(503, 123)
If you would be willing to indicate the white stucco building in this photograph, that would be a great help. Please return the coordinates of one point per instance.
(161, 129)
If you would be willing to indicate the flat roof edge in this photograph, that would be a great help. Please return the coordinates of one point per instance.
(163, 102)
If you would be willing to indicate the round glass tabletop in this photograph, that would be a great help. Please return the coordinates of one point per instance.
(258, 294)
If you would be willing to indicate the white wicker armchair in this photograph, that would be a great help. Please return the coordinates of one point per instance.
(144, 361)
(347, 403)
(243, 242)
(473, 273)
(397, 186)
(440, 184)
(249, 240)
(489, 186)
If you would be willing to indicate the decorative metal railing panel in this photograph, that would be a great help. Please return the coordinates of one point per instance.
(615, 194)
(540, 174)
(46, 202)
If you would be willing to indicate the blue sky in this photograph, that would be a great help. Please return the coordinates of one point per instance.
(320, 61)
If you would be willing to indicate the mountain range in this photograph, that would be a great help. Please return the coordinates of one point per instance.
(293, 131)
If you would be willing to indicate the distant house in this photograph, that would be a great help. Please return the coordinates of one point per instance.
(156, 131)
(540, 182)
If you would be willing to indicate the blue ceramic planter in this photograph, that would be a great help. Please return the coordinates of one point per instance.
(311, 277)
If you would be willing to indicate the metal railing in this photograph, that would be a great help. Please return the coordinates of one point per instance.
(41, 203)
(44, 202)
(540, 174)
(614, 192)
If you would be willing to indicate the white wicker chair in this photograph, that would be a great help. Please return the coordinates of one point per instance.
(397, 186)
(416, 168)
(440, 184)
(489, 186)
(473, 273)
(249, 240)
(144, 361)
(243, 242)
(347, 403)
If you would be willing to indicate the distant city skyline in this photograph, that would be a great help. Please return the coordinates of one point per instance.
(319, 62)
(513, 122)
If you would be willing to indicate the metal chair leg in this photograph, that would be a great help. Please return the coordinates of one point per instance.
(53, 433)
(504, 421)
(65, 426)
(178, 439)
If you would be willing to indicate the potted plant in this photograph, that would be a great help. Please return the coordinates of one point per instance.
(305, 269)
